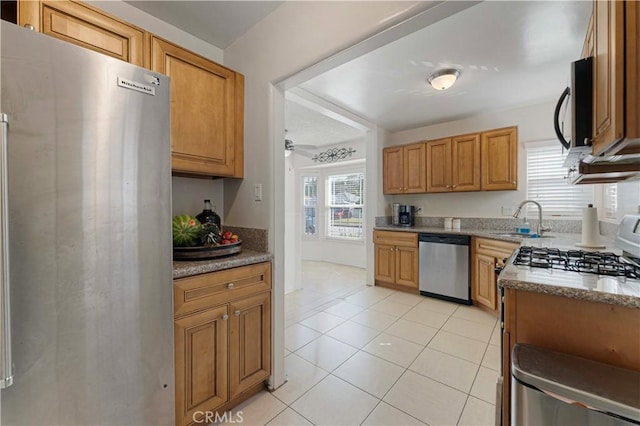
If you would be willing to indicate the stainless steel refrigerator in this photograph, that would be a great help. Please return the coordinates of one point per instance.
(87, 328)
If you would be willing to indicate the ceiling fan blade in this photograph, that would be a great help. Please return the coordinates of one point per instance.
(305, 146)
(304, 153)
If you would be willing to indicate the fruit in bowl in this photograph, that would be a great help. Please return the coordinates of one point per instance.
(186, 230)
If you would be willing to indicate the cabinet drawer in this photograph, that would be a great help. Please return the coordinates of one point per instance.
(202, 291)
(394, 238)
(494, 247)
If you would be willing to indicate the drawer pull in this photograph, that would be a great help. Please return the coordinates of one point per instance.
(225, 317)
(230, 286)
(237, 313)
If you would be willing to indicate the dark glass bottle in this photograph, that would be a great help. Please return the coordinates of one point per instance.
(208, 215)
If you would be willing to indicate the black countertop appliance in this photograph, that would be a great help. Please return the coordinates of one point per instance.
(406, 215)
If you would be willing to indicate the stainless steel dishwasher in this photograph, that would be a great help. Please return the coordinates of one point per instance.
(444, 267)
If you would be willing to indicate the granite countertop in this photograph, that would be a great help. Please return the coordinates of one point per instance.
(591, 287)
(558, 240)
(595, 288)
(183, 269)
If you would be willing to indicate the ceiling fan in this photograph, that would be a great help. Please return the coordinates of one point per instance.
(289, 147)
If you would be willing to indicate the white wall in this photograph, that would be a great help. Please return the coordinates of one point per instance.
(534, 123)
(293, 37)
(188, 193)
(293, 271)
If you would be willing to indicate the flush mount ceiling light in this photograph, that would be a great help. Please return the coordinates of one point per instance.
(443, 79)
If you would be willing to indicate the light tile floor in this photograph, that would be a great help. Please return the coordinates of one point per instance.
(373, 356)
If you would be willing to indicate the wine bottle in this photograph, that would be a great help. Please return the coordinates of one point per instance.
(208, 215)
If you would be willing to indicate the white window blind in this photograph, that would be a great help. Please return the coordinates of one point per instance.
(546, 183)
(345, 194)
(610, 200)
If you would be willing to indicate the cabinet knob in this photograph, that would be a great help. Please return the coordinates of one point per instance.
(225, 317)
(453, 186)
(30, 27)
(513, 182)
(237, 313)
(230, 286)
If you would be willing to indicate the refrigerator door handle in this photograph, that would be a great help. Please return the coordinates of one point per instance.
(6, 367)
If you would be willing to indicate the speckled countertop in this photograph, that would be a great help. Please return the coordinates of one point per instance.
(556, 239)
(183, 269)
(595, 288)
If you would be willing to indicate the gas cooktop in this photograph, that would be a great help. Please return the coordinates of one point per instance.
(601, 263)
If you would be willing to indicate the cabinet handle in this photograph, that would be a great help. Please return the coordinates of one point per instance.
(230, 286)
(30, 27)
(225, 317)
(237, 313)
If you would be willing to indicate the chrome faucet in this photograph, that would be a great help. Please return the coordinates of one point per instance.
(541, 228)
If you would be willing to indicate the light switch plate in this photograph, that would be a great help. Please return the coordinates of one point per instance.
(507, 211)
(257, 192)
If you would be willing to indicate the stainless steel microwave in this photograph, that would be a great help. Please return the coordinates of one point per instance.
(580, 96)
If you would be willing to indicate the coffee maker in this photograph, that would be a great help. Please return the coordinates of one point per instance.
(406, 215)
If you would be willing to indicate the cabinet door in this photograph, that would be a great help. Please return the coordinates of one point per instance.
(203, 111)
(84, 26)
(201, 363)
(587, 47)
(249, 342)
(439, 165)
(485, 280)
(392, 173)
(465, 163)
(385, 263)
(414, 169)
(608, 74)
(499, 158)
(407, 266)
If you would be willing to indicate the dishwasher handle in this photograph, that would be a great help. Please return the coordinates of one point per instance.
(462, 240)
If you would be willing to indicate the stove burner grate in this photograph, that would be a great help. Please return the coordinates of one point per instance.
(601, 263)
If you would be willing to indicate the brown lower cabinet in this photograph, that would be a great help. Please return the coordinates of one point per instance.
(598, 331)
(396, 260)
(487, 255)
(222, 339)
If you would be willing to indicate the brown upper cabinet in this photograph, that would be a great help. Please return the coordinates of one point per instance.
(404, 169)
(486, 161)
(207, 102)
(207, 99)
(453, 164)
(616, 86)
(499, 159)
(84, 26)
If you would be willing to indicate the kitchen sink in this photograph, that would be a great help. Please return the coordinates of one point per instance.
(510, 234)
(518, 235)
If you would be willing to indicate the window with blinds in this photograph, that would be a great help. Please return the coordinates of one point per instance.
(547, 185)
(610, 200)
(345, 193)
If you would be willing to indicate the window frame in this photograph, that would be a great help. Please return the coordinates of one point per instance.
(329, 206)
(322, 172)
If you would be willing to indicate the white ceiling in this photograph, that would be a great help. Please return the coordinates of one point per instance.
(217, 22)
(308, 127)
(510, 53)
